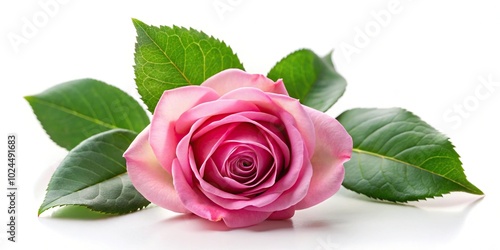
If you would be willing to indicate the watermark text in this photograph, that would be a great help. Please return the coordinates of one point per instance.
(31, 26)
(485, 88)
(12, 188)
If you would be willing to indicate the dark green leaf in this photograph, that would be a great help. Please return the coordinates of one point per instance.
(94, 175)
(398, 157)
(171, 57)
(310, 78)
(73, 111)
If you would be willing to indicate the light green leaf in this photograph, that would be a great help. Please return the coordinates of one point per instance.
(310, 78)
(73, 111)
(399, 157)
(78, 212)
(94, 175)
(171, 57)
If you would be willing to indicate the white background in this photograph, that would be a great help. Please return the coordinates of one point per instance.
(428, 57)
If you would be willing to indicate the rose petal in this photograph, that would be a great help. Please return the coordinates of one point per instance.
(226, 187)
(172, 104)
(291, 195)
(302, 120)
(148, 177)
(206, 145)
(231, 79)
(219, 196)
(199, 204)
(287, 191)
(210, 109)
(277, 104)
(333, 148)
(193, 200)
(283, 214)
(244, 218)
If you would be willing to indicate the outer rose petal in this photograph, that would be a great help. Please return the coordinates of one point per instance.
(283, 215)
(231, 79)
(243, 218)
(301, 116)
(148, 177)
(173, 103)
(333, 148)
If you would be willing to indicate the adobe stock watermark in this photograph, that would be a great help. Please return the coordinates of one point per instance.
(484, 90)
(371, 29)
(31, 26)
(327, 243)
(222, 7)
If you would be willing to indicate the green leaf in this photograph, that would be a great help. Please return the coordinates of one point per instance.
(73, 111)
(171, 57)
(94, 175)
(78, 212)
(310, 78)
(398, 157)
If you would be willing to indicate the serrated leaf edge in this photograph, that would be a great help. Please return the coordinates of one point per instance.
(141, 25)
(479, 192)
(95, 210)
(476, 192)
(138, 24)
(48, 206)
(31, 98)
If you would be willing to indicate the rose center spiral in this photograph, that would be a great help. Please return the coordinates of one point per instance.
(241, 165)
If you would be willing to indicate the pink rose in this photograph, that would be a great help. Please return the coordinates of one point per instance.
(238, 149)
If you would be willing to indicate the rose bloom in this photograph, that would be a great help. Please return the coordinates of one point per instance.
(237, 148)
